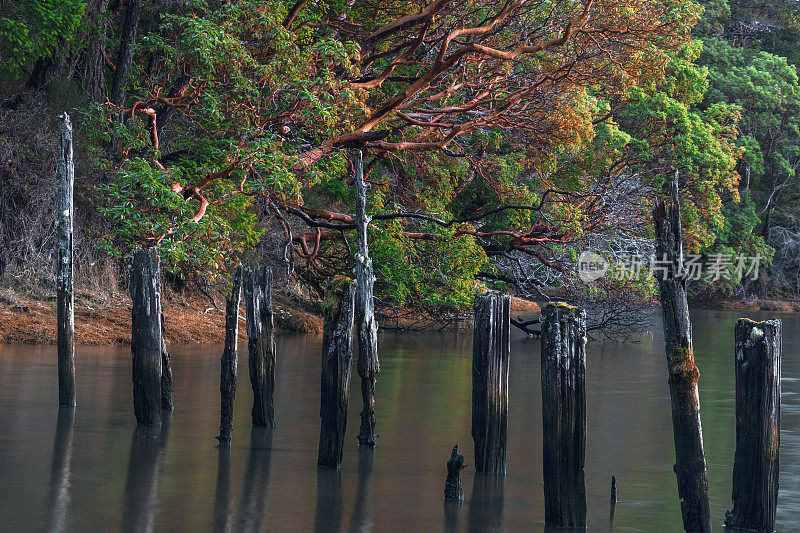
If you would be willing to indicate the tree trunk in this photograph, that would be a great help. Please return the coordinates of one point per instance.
(146, 340)
(690, 462)
(337, 355)
(368, 364)
(229, 361)
(130, 26)
(486, 503)
(166, 369)
(261, 343)
(92, 72)
(64, 279)
(453, 491)
(564, 414)
(490, 358)
(758, 424)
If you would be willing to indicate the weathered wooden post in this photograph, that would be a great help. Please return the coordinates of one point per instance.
(564, 414)
(166, 368)
(367, 326)
(453, 491)
(337, 355)
(490, 358)
(146, 336)
(64, 275)
(261, 343)
(690, 461)
(758, 424)
(229, 360)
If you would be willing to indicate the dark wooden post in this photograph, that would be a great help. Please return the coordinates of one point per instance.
(690, 461)
(261, 343)
(490, 357)
(64, 275)
(229, 360)
(758, 424)
(453, 491)
(337, 355)
(146, 340)
(564, 414)
(166, 369)
(367, 326)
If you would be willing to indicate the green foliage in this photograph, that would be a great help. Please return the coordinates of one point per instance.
(33, 29)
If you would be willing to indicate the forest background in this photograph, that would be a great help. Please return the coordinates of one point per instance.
(501, 140)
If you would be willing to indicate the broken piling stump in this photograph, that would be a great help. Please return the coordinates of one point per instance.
(758, 423)
(453, 491)
(337, 356)
(64, 269)
(261, 344)
(146, 336)
(564, 414)
(229, 361)
(490, 358)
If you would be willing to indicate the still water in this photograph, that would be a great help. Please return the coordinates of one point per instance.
(93, 473)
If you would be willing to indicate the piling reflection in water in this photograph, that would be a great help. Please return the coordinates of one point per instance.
(61, 471)
(328, 516)
(145, 465)
(252, 513)
(361, 519)
(223, 510)
(486, 503)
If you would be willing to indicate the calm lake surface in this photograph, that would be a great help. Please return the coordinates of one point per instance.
(94, 474)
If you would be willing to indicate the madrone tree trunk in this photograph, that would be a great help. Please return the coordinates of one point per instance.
(64, 276)
(367, 326)
(690, 462)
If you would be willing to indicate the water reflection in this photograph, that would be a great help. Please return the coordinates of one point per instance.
(255, 490)
(361, 520)
(486, 503)
(328, 516)
(223, 508)
(61, 470)
(145, 465)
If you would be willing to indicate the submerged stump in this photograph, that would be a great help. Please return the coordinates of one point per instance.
(64, 276)
(690, 462)
(564, 414)
(490, 358)
(758, 423)
(337, 356)
(261, 344)
(146, 336)
(229, 361)
(453, 490)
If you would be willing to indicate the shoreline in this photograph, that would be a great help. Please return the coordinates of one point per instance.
(191, 319)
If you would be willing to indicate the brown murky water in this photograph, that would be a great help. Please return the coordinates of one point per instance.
(93, 474)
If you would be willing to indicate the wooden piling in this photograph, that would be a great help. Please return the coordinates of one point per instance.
(490, 358)
(758, 423)
(64, 275)
(337, 355)
(564, 414)
(367, 326)
(261, 343)
(229, 361)
(146, 336)
(690, 462)
(166, 369)
(453, 491)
